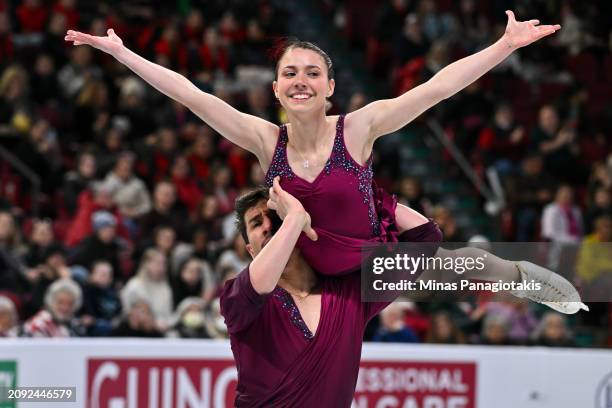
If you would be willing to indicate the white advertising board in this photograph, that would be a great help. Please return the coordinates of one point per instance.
(135, 373)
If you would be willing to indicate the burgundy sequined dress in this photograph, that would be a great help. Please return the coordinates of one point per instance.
(346, 207)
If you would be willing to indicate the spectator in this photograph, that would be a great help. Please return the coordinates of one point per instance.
(216, 323)
(32, 16)
(411, 195)
(562, 219)
(54, 266)
(62, 300)
(101, 301)
(412, 43)
(45, 91)
(170, 46)
(91, 114)
(553, 331)
(447, 223)
(436, 25)
(468, 113)
(191, 319)
(165, 241)
(138, 321)
(594, 266)
(151, 285)
(257, 177)
(527, 193)
(520, 319)
(495, 331)
(102, 244)
(221, 189)
(473, 26)
(202, 153)
(259, 103)
(111, 146)
(132, 110)
(393, 329)
(129, 193)
(558, 146)
(201, 247)
(188, 189)
(194, 279)
(14, 107)
(41, 238)
(40, 152)
(76, 181)
(502, 144)
(600, 206)
(165, 210)
(207, 218)
(9, 320)
(444, 330)
(213, 55)
(73, 76)
(97, 197)
(10, 236)
(358, 100)
(235, 258)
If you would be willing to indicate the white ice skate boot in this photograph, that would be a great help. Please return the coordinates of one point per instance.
(556, 292)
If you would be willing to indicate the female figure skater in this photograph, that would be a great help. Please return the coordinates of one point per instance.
(330, 173)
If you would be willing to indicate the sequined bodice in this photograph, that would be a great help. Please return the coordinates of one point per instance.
(340, 199)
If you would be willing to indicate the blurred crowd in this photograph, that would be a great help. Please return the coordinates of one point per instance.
(539, 125)
(128, 228)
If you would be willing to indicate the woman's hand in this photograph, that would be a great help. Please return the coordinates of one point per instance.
(284, 204)
(110, 44)
(521, 33)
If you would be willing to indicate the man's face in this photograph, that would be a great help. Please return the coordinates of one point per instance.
(258, 227)
(63, 306)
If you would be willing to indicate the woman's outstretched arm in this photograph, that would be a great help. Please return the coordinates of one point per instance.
(245, 130)
(389, 115)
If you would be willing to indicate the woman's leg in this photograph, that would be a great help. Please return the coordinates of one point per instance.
(557, 292)
(406, 218)
(495, 268)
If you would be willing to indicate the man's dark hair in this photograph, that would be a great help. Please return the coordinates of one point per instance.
(244, 203)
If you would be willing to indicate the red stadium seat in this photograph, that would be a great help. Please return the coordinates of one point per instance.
(584, 68)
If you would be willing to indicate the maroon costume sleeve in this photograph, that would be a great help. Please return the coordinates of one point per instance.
(240, 303)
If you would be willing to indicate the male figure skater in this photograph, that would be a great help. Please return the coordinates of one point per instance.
(296, 335)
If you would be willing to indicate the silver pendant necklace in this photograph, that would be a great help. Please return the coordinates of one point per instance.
(305, 163)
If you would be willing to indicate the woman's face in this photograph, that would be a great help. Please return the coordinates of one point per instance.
(7, 320)
(42, 233)
(165, 239)
(302, 81)
(180, 167)
(555, 328)
(203, 146)
(222, 177)
(156, 267)
(191, 272)
(7, 226)
(443, 327)
(87, 166)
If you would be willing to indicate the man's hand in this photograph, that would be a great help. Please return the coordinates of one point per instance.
(285, 204)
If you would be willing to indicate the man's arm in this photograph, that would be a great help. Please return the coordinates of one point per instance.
(268, 265)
